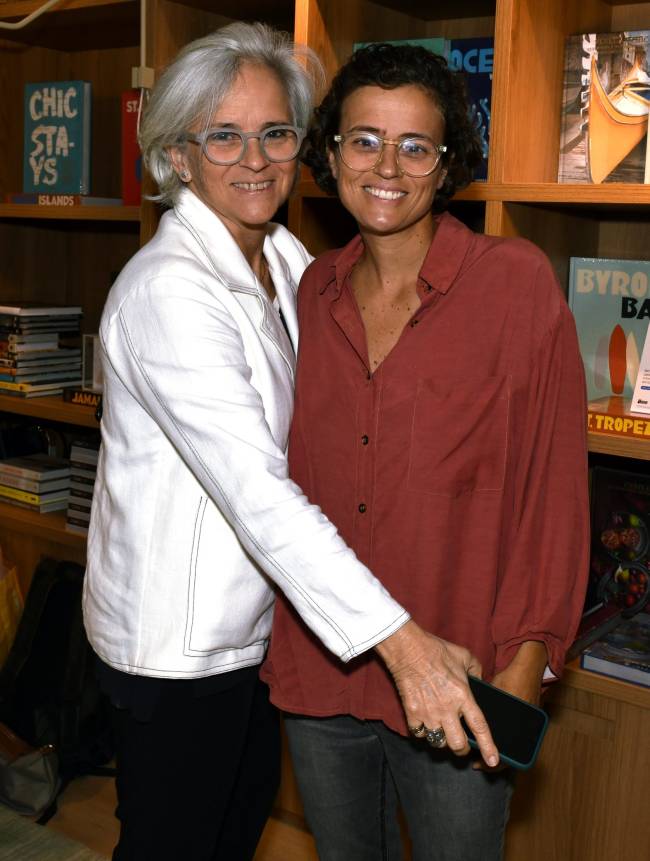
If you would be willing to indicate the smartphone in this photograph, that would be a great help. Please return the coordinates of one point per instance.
(517, 727)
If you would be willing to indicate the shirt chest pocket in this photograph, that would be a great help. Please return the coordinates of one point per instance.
(459, 436)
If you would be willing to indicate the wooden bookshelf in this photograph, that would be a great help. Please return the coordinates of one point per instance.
(50, 526)
(70, 213)
(52, 408)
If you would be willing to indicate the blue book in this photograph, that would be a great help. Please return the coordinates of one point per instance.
(610, 300)
(435, 44)
(475, 57)
(56, 155)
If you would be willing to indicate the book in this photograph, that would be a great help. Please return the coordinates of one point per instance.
(28, 347)
(24, 372)
(131, 156)
(82, 397)
(623, 652)
(46, 393)
(33, 388)
(14, 493)
(641, 396)
(435, 44)
(62, 376)
(604, 121)
(43, 508)
(619, 565)
(35, 486)
(75, 524)
(37, 467)
(475, 57)
(27, 308)
(607, 298)
(593, 626)
(56, 156)
(64, 355)
(79, 490)
(612, 417)
(40, 199)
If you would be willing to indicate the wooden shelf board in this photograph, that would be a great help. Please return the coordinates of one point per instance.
(70, 213)
(617, 689)
(75, 25)
(620, 446)
(49, 527)
(619, 193)
(53, 408)
(22, 8)
(612, 194)
(442, 9)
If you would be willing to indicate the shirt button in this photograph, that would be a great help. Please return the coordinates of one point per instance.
(362, 508)
(364, 439)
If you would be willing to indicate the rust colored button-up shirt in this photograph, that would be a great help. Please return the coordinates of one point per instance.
(456, 471)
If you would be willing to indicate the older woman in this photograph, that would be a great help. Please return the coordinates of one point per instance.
(194, 513)
(439, 423)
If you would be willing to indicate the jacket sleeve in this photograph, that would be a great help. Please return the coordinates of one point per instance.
(546, 553)
(180, 354)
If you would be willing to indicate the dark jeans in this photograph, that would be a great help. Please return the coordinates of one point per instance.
(353, 775)
(198, 780)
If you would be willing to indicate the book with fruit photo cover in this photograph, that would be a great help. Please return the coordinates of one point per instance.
(624, 652)
(619, 572)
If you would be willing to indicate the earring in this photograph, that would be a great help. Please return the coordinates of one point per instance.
(185, 175)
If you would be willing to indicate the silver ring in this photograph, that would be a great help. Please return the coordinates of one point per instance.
(418, 731)
(437, 737)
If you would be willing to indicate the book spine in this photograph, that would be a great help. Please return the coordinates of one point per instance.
(22, 495)
(8, 469)
(82, 397)
(627, 426)
(29, 484)
(35, 199)
(131, 157)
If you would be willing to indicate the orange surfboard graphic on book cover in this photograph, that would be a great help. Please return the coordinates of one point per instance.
(617, 359)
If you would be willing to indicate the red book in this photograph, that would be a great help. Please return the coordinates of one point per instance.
(131, 157)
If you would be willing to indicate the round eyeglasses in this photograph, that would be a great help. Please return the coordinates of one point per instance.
(227, 146)
(415, 156)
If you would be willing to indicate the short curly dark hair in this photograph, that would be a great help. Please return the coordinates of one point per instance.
(389, 66)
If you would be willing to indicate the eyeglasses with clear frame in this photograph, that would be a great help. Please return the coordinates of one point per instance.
(225, 146)
(416, 156)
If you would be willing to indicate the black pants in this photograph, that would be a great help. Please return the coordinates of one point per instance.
(197, 781)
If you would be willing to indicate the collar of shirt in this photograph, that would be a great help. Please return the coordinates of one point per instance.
(444, 260)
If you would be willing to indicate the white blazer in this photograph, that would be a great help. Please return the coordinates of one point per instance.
(194, 517)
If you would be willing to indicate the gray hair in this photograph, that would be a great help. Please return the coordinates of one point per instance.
(194, 84)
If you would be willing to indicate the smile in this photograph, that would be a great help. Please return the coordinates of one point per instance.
(383, 193)
(253, 186)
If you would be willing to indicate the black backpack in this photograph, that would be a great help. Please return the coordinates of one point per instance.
(48, 691)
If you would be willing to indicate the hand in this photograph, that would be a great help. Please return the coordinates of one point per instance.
(431, 678)
(522, 678)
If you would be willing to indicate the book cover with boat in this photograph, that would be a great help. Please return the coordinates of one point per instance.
(605, 103)
(610, 300)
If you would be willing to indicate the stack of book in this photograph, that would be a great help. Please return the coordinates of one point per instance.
(624, 652)
(83, 469)
(33, 361)
(36, 481)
